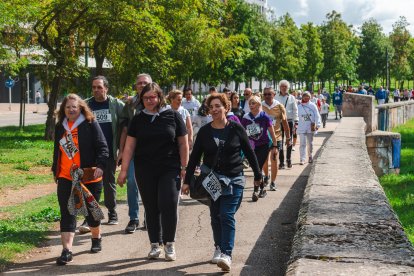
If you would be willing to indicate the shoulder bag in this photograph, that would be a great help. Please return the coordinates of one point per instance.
(197, 190)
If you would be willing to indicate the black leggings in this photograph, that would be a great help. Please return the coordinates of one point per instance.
(261, 153)
(67, 221)
(160, 191)
(288, 148)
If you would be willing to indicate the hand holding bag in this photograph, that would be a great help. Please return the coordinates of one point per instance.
(88, 174)
(197, 190)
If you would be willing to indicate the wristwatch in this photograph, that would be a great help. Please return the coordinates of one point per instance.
(183, 168)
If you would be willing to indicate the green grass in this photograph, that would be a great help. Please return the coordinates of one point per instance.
(399, 188)
(26, 227)
(25, 157)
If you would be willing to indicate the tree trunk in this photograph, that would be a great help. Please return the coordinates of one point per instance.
(52, 103)
(99, 64)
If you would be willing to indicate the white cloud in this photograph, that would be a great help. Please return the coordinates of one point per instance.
(354, 12)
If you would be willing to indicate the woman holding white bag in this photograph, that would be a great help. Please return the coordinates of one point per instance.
(309, 122)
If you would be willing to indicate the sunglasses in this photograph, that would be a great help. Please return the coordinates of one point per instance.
(267, 94)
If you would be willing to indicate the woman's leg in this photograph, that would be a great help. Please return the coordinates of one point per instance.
(67, 221)
(146, 180)
(228, 207)
(302, 147)
(309, 138)
(169, 184)
(96, 191)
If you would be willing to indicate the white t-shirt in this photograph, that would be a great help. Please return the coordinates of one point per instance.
(325, 108)
(192, 106)
(308, 113)
(199, 121)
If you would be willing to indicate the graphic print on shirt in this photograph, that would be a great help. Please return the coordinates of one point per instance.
(68, 145)
(102, 116)
(254, 131)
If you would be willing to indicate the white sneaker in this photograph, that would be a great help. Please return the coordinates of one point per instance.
(293, 149)
(224, 262)
(84, 228)
(216, 255)
(169, 251)
(302, 162)
(155, 251)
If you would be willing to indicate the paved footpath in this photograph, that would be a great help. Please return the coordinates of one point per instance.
(263, 238)
(35, 114)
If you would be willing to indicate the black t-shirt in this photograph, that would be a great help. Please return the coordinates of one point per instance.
(156, 138)
(103, 117)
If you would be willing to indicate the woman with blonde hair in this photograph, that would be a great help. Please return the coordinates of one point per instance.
(79, 146)
(258, 125)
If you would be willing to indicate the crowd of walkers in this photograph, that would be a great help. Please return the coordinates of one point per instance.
(161, 141)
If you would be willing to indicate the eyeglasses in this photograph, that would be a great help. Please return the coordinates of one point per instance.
(143, 83)
(267, 94)
(246, 94)
(149, 98)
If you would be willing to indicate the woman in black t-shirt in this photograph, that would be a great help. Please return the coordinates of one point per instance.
(235, 105)
(157, 138)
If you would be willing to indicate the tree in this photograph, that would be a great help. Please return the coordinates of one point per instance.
(313, 55)
(372, 51)
(289, 49)
(338, 46)
(56, 30)
(399, 39)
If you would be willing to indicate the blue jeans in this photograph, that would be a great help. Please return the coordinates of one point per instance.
(132, 192)
(223, 222)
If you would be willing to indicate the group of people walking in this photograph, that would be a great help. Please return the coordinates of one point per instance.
(151, 141)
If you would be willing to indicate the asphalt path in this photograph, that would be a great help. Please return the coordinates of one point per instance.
(35, 114)
(264, 233)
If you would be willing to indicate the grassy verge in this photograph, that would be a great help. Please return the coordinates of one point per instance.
(28, 224)
(25, 158)
(400, 188)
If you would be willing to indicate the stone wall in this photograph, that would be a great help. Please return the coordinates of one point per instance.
(394, 114)
(346, 225)
(384, 158)
(356, 105)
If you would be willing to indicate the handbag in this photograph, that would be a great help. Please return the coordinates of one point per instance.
(197, 190)
(313, 124)
(88, 174)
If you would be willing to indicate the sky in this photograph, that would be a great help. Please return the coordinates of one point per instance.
(353, 12)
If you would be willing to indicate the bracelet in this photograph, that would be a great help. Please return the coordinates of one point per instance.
(183, 168)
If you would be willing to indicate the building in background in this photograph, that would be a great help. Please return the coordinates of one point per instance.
(261, 5)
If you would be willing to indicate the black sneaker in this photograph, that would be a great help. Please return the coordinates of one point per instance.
(273, 186)
(289, 163)
(96, 245)
(112, 218)
(65, 257)
(262, 193)
(255, 196)
(132, 226)
(84, 227)
(266, 180)
(281, 166)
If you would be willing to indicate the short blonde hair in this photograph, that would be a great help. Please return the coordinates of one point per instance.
(255, 99)
(174, 93)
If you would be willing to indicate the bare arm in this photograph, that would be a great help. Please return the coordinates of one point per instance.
(189, 127)
(127, 154)
(122, 141)
(183, 149)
